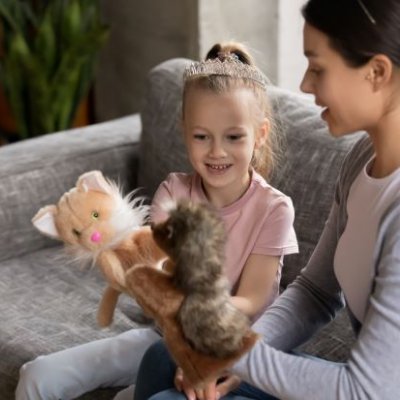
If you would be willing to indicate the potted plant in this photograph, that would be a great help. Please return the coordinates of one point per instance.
(49, 51)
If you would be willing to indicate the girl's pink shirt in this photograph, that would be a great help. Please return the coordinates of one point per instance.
(259, 222)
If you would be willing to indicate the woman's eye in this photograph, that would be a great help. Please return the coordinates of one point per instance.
(76, 232)
(95, 215)
(315, 71)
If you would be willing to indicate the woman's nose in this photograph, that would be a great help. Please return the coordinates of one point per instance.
(305, 85)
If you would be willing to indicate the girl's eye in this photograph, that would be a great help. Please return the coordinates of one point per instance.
(95, 215)
(235, 137)
(200, 137)
(76, 232)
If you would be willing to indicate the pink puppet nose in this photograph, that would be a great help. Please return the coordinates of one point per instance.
(96, 237)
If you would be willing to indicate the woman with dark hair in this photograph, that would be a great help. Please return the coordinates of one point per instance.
(353, 52)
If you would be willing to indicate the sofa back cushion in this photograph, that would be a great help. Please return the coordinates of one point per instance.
(36, 172)
(307, 171)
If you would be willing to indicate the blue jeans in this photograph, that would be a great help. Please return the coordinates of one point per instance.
(155, 379)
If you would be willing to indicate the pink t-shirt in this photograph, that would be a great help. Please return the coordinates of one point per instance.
(259, 222)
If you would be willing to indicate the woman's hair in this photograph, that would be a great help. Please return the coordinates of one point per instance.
(228, 66)
(358, 29)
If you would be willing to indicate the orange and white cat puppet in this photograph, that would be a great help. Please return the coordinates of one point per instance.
(96, 222)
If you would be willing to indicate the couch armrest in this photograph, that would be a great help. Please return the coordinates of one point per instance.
(35, 172)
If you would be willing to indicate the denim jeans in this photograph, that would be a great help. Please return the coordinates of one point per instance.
(155, 379)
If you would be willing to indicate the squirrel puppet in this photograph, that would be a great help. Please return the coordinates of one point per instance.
(188, 298)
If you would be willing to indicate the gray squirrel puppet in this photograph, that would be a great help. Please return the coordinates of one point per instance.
(193, 236)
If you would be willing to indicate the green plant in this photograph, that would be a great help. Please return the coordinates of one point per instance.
(47, 66)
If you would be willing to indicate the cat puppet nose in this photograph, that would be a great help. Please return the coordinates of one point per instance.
(96, 237)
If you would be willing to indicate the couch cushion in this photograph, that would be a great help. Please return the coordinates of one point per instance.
(49, 304)
(162, 148)
(307, 171)
(36, 172)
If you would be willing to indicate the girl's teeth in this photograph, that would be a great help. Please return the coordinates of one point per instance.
(219, 167)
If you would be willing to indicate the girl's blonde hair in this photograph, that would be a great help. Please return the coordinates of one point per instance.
(227, 66)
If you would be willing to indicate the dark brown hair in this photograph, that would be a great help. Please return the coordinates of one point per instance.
(358, 30)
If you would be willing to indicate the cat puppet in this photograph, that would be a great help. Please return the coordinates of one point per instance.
(97, 223)
(203, 331)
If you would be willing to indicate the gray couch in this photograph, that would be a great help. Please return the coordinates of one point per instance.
(47, 304)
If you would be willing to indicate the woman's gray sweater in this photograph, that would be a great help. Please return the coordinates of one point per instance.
(373, 368)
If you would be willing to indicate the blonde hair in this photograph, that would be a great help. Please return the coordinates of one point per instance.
(232, 59)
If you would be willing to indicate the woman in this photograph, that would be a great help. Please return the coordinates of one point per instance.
(353, 51)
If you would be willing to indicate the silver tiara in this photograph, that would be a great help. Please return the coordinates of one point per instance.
(229, 66)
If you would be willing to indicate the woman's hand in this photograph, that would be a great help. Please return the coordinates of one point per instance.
(182, 385)
(212, 391)
(230, 383)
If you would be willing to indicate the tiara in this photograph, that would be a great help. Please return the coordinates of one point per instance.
(229, 65)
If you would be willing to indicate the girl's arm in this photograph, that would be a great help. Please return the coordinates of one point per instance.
(256, 284)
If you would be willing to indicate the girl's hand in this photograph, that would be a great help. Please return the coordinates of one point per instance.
(212, 391)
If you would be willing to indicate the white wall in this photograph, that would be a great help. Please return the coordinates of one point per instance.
(144, 33)
(252, 22)
(291, 61)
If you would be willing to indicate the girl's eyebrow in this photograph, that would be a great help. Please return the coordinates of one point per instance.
(230, 128)
(198, 127)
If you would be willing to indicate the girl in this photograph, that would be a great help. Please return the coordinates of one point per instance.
(353, 50)
(227, 130)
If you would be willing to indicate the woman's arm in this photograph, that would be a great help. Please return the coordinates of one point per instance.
(315, 296)
(372, 371)
(256, 284)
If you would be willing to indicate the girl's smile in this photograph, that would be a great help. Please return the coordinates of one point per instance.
(218, 168)
(220, 134)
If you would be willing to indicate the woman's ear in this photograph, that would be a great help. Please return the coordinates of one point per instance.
(262, 132)
(380, 70)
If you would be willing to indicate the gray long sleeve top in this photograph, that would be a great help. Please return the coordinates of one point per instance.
(373, 368)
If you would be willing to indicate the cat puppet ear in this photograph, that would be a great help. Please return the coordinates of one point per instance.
(93, 180)
(43, 221)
